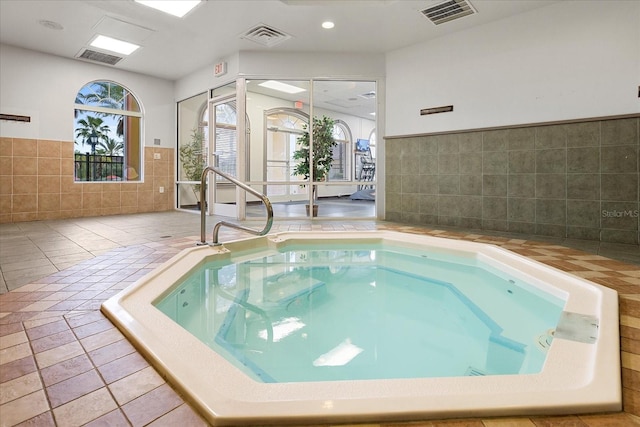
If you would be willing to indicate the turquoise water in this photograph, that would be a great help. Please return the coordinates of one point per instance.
(354, 312)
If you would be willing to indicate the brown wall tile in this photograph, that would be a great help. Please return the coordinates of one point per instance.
(129, 187)
(129, 199)
(66, 150)
(6, 166)
(48, 148)
(48, 202)
(145, 201)
(70, 201)
(160, 168)
(48, 184)
(111, 187)
(67, 167)
(25, 184)
(111, 200)
(6, 146)
(6, 184)
(5, 218)
(5, 205)
(25, 147)
(147, 185)
(37, 182)
(74, 213)
(25, 165)
(91, 212)
(43, 216)
(111, 211)
(24, 216)
(69, 185)
(48, 166)
(129, 209)
(92, 201)
(23, 203)
(91, 187)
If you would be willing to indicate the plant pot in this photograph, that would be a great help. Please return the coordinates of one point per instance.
(315, 210)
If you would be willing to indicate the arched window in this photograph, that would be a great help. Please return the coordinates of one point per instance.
(107, 133)
(339, 166)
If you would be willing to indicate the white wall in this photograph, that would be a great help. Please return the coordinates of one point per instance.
(572, 59)
(203, 79)
(311, 65)
(45, 87)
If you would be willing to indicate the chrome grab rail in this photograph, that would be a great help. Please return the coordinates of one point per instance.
(216, 228)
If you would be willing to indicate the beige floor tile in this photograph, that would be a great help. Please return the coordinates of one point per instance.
(23, 264)
(32, 287)
(53, 287)
(84, 409)
(59, 354)
(13, 339)
(101, 339)
(182, 415)
(135, 385)
(40, 306)
(29, 273)
(60, 295)
(19, 387)
(14, 353)
(24, 408)
(42, 319)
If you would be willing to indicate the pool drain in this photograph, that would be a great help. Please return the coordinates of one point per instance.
(474, 372)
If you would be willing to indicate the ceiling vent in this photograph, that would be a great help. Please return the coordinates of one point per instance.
(95, 56)
(265, 35)
(448, 11)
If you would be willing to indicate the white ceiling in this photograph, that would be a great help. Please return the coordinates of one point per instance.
(174, 47)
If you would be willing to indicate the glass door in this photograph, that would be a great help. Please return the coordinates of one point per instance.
(223, 153)
(283, 128)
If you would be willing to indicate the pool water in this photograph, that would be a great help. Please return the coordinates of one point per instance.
(331, 312)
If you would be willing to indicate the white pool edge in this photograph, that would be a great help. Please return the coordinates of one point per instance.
(577, 377)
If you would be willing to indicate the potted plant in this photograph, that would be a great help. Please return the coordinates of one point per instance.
(323, 143)
(193, 161)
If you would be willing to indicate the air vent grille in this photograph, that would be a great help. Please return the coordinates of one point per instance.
(96, 56)
(448, 11)
(265, 35)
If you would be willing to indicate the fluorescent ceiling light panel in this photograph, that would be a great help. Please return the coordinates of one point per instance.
(177, 8)
(281, 87)
(114, 45)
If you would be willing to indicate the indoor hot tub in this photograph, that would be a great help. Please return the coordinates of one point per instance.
(372, 326)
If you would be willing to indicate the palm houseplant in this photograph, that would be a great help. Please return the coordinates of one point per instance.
(193, 162)
(323, 144)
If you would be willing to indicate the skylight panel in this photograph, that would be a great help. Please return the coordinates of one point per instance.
(281, 87)
(177, 8)
(114, 45)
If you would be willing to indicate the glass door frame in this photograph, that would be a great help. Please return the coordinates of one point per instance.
(214, 208)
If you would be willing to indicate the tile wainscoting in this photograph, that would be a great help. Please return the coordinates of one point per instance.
(37, 183)
(569, 180)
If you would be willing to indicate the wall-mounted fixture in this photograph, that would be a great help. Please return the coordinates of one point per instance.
(15, 118)
(436, 110)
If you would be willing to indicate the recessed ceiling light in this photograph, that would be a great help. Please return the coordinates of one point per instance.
(177, 8)
(114, 45)
(282, 87)
(328, 25)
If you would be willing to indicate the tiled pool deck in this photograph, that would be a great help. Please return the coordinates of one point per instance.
(62, 363)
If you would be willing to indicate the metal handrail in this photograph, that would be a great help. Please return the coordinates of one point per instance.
(216, 228)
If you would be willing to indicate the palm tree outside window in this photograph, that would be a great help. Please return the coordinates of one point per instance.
(107, 133)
